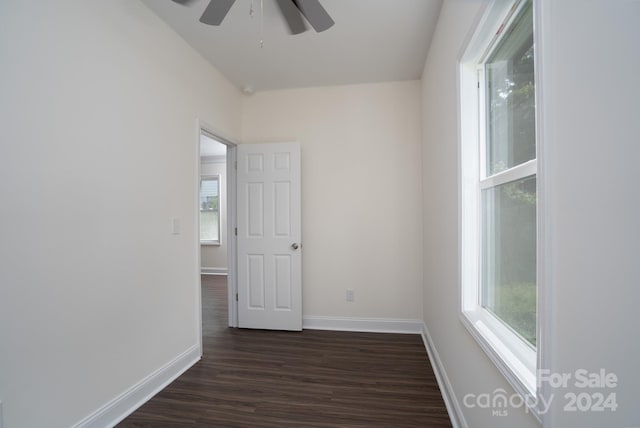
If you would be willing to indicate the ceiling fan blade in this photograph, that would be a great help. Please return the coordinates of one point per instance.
(292, 15)
(315, 14)
(184, 2)
(216, 11)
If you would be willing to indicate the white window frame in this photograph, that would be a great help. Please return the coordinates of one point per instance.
(211, 241)
(517, 360)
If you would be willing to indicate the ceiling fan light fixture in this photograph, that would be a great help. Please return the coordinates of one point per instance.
(293, 12)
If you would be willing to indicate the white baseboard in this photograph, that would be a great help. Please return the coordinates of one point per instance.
(213, 271)
(450, 400)
(122, 406)
(371, 325)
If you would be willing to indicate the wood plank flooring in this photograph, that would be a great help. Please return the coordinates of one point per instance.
(254, 378)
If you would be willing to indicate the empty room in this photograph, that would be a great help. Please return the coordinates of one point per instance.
(319, 213)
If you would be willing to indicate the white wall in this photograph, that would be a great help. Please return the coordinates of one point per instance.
(215, 256)
(98, 152)
(361, 195)
(592, 141)
(589, 111)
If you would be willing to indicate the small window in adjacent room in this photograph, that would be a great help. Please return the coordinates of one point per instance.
(210, 210)
(499, 191)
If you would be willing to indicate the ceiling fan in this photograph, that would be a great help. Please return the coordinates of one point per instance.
(293, 12)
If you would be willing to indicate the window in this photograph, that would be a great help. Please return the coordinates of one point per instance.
(507, 179)
(210, 210)
(499, 191)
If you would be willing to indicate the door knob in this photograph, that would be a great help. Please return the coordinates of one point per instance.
(294, 246)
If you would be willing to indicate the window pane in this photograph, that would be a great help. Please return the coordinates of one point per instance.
(209, 194)
(209, 230)
(511, 138)
(509, 255)
(209, 209)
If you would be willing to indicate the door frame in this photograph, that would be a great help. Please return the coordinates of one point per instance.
(203, 127)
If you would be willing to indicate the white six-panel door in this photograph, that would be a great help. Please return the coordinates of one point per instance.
(269, 229)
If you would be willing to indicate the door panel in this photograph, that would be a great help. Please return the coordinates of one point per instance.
(269, 229)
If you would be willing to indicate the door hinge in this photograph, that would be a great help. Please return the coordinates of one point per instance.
(236, 231)
(236, 297)
(236, 164)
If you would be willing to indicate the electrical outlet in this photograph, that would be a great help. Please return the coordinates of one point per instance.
(350, 295)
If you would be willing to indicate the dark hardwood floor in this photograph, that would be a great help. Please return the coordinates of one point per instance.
(255, 378)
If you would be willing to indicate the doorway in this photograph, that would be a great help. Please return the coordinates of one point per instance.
(212, 205)
(216, 219)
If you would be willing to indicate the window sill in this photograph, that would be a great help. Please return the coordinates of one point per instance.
(515, 359)
(210, 243)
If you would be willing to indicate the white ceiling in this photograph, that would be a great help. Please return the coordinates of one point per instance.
(371, 41)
